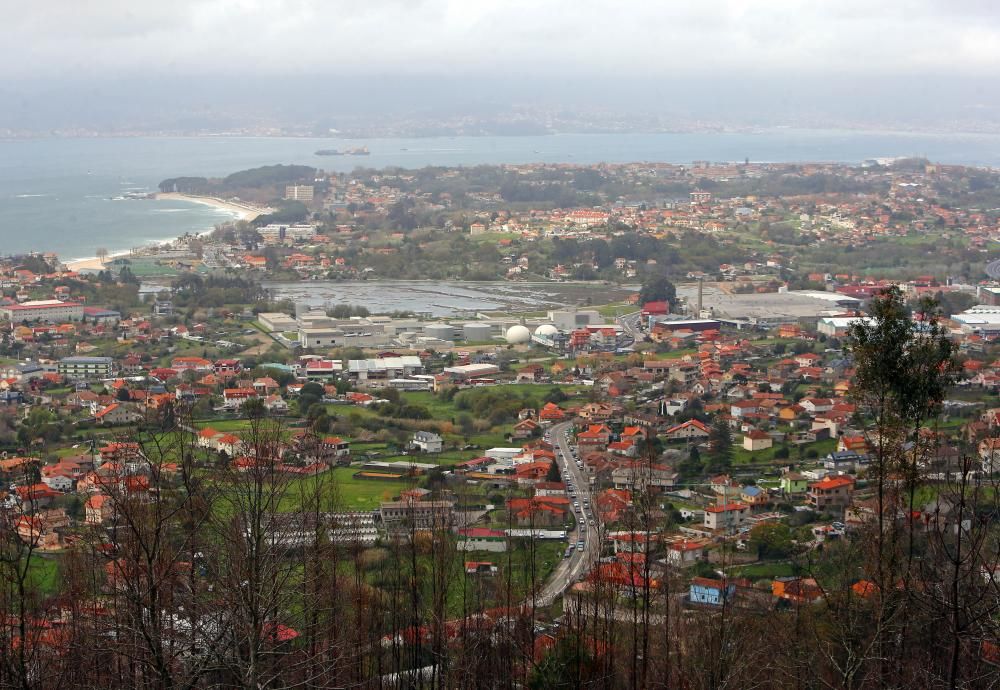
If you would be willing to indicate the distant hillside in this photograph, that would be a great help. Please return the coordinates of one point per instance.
(262, 183)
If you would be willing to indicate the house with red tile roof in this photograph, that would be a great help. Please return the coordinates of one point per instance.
(36, 496)
(691, 429)
(831, 494)
(594, 434)
(756, 440)
(551, 412)
(234, 397)
(190, 364)
(99, 509)
(539, 511)
(797, 590)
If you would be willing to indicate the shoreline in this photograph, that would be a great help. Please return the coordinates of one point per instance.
(237, 210)
(241, 211)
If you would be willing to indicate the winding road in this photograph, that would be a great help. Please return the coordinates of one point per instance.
(993, 269)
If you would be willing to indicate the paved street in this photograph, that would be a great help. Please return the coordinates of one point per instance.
(573, 568)
(631, 323)
(993, 270)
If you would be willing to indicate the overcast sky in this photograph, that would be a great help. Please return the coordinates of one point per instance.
(117, 38)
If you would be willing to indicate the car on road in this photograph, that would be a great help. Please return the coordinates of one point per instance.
(580, 544)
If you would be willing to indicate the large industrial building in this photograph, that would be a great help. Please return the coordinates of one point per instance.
(982, 320)
(771, 308)
(315, 329)
(839, 326)
(384, 368)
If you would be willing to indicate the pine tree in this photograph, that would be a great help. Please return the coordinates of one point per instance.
(720, 443)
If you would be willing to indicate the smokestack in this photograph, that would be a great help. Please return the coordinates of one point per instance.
(701, 287)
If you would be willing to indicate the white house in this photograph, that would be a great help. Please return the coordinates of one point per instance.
(506, 455)
(428, 442)
(728, 516)
(815, 405)
(689, 429)
(685, 552)
(672, 406)
(234, 397)
(58, 482)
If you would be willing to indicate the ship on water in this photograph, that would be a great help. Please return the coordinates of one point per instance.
(359, 151)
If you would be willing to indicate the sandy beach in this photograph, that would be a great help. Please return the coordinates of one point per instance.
(240, 211)
(92, 264)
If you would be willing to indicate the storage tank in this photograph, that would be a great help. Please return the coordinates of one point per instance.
(477, 332)
(546, 330)
(441, 331)
(517, 335)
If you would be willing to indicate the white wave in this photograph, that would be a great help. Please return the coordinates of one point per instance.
(170, 210)
(29, 196)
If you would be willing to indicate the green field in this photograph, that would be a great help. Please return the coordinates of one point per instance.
(616, 308)
(227, 425)
(43, 574)
(744, 457)
(764, 571)
(365, 494)
(343, 492)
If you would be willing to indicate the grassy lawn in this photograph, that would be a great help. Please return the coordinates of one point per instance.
(615, 309)
(515, 564)
(446, 410)
(744, 457)
(344, 491)
(764, 571)
(44, 574)
(226, 425)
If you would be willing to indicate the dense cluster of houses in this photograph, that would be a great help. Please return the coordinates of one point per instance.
(897, 201)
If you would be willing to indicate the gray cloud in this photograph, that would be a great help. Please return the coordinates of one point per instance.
(644, 37)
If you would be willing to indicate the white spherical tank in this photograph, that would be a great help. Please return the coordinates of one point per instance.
(546, 330)
(517, 335)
